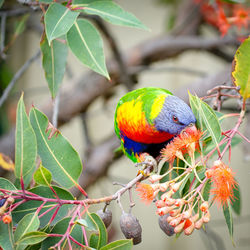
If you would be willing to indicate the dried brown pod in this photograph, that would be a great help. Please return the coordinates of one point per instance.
(105, 216)
(131, 227)
(165, 226)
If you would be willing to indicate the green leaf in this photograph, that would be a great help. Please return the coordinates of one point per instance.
(1, 3)
(54, 63)
(86, 2)
(28, 223)
(86, 44)
(236, 202)
(206, 118)
(60, 228)
(241, 69)
(45, 1)
(6, 184)
(20, 27)
(229, 219)
(119, 245)
(206, 190)
(93, 241)
(94, 219)
(32, 238)
(88, 224)
(6, 236)
(43, 176)
(112, 13)
(57, 154)
(234, 1)
(31, 206)
(58, 20)
(26, 148)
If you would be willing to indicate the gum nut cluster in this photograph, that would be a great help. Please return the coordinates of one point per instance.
(131, 227)
(179, 213)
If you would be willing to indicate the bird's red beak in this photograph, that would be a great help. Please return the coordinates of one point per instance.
(190, 129)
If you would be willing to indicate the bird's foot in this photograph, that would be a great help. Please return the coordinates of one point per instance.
(147, 163)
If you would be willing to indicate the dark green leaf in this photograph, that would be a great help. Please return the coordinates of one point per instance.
(57, 154)
(6, 184)
(28, 223)
(60, 228)
(102, 233)
(229, 219)
(241, 69)
(6, 236)
(54, 63)
(86, 44)
(43, 176)
(236, 202)
(32, 238)
(206, 190)
(88, 223)
(26, 148)
(31, 206)
(119, 245)
(58, 20)
(112, 13)
(93, 241)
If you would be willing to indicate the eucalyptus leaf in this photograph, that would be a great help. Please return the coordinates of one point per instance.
(32, 238)
(54, 63)
(57, 154)
(236, 201)
(28, 223)
(241, 68)
(58, 20)
(229, 219)
(86, 43)
(43, 176)
(112, 13)
(26, 147)
(119, 245)
(6, 235)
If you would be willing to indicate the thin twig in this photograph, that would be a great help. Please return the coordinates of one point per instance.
(18, 74)
(3, 29)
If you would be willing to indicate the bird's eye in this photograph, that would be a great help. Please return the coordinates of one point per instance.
(175, 119)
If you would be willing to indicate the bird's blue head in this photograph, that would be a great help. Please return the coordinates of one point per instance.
(175, 116)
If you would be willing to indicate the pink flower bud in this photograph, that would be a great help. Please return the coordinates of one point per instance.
(170, 202)
(206, 217)
(154, 178)
(176, 221)
(204, 207)
(160, 203)
(189, 230)
(198, 224)
(179, 227)
(164, 186)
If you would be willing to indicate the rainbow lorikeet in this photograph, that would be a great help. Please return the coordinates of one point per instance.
(147, 119)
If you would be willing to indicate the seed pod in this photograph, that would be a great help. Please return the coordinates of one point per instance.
(131, 227)
(105, 216)
(165, 226)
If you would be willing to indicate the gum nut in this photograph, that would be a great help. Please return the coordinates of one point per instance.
(131, 227)
(105, 216)
(164, 225)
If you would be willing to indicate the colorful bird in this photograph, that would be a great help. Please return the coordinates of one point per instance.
(147, 119)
